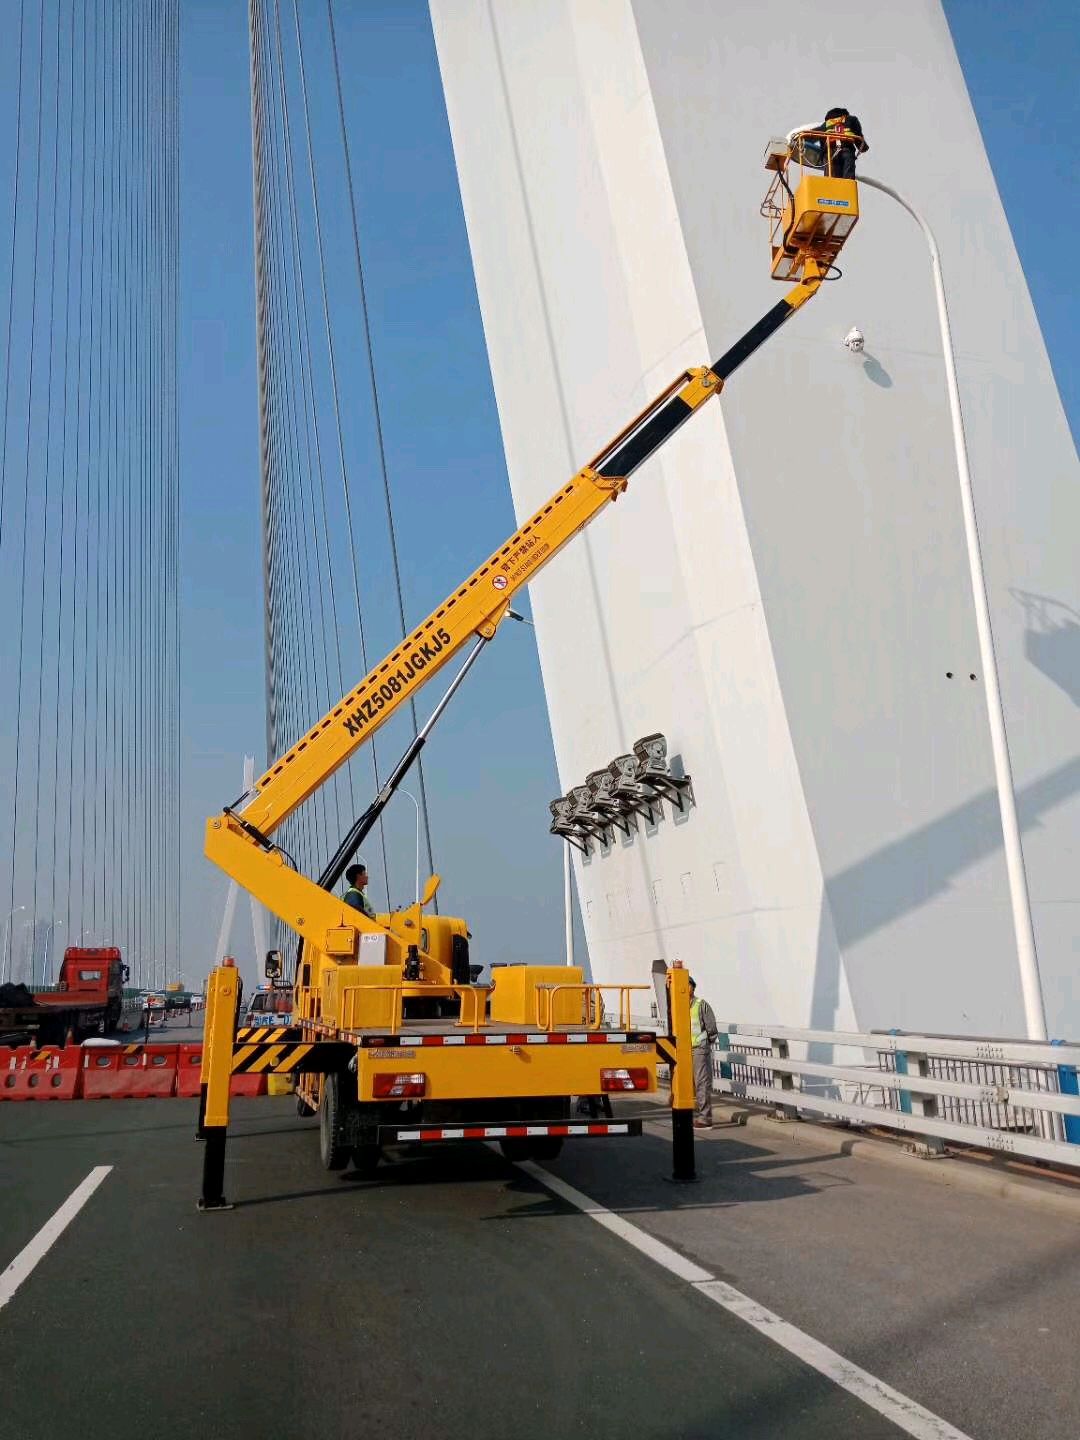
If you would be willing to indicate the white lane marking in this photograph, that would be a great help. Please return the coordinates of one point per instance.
(49, 1233)
(654, 1249)
(904, 1413)
(868, 1388)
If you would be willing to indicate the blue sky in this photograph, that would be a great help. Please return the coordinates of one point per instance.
(491, 771)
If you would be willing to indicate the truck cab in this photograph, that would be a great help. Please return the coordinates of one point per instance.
(90, 976)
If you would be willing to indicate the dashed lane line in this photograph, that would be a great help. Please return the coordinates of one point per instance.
(904, 1413)
(48, 1235)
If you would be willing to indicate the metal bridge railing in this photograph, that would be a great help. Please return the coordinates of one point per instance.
(1019, 1097)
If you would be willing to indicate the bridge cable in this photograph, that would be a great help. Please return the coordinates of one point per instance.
(70, 568)
(39, 716)
(21, 589)
(283, 535)
(304, 696)
(310, 711)
(377, 410)
(312, 431)
(317, 218)
(11, 272)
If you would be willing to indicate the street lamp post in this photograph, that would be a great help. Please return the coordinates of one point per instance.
(416, 806)
(7, 941)
(568, 902)
(568, 868)
(45, 956)
(1034, 1010)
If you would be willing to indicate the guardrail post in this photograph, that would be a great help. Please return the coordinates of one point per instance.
(723, 1042)
(682, 1077)
(1069, 1084)
(220, 1032)
(783, 1081)
(900, 1061)
(920, 1104)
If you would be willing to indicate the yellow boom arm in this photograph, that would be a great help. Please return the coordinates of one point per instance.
(238, 839)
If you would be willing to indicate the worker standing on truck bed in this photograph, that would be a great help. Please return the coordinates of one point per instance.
(703, 1033)
(356, 894)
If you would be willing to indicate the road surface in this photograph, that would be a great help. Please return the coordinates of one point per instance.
(457, 1296)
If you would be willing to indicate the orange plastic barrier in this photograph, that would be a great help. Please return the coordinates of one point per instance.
(129, 1072)
(109, 1072)
(188, 1066)
(47, 1074)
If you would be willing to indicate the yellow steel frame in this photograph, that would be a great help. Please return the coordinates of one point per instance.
(219, 1030)
(682, 1069)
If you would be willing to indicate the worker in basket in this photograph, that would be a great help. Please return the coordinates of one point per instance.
(845, 142)
(836, 154)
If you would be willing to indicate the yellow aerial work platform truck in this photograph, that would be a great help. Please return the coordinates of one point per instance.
(392, 1040)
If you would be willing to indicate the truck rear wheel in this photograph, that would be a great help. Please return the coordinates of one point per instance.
(333, 1152)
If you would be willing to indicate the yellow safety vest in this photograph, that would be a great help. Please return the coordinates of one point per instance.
(697, 1033)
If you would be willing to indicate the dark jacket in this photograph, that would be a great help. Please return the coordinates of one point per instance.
(854, 126)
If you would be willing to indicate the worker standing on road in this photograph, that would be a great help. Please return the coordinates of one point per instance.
(849, 142)
(703, 1033)
(356, 894)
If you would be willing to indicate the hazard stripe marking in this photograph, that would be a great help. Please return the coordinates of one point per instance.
(665, 1050)
(286, 1059)
(275, 1059)
(507, 1132)
(266, 1060)
(279, 1034)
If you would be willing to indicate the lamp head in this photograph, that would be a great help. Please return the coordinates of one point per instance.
(855, 340)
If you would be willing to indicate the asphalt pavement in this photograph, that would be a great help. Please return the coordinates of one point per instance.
(457, 1296)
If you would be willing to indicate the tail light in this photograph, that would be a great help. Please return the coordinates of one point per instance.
(624, 1079)
(399, 1087)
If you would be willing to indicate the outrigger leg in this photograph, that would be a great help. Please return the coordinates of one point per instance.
(220, 1034)
(683, 1169)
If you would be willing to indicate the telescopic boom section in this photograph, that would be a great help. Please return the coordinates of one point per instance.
(480, 604)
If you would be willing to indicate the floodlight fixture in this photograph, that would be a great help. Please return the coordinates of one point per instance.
(582, 812)
(653, 769)
(634, 795)
(605, 804)
(565, 826)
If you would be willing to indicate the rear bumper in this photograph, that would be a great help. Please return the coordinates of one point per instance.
(425, 1134)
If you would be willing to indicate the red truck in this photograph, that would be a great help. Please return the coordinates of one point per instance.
(87, 1000)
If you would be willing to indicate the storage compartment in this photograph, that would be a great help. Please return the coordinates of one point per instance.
(514, 999)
